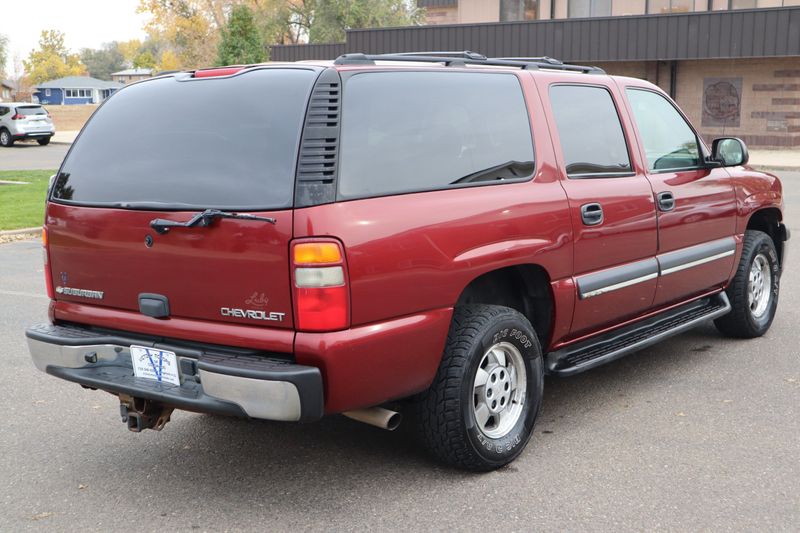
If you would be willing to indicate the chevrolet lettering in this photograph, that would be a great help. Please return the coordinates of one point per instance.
(255, 314)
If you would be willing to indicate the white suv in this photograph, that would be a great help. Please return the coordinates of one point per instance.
(19, 121)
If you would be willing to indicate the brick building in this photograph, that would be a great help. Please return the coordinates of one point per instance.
(732, 65)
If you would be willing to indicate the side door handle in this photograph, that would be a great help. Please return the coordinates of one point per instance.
(592, 214)
(666, 201)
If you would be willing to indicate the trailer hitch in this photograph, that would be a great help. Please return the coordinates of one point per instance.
(141, 414)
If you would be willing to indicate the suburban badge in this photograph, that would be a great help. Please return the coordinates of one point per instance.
(83, 293)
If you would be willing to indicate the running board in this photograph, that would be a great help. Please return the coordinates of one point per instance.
(615, 344)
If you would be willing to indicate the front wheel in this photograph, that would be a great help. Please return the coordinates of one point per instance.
(480, 410)
(754, 290)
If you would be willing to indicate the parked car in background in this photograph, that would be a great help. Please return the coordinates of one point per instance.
(21, 121)
(389, 233)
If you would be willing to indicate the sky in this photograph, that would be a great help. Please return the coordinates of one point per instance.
(85, 23)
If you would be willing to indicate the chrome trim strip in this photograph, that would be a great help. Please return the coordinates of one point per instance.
(616, 277)
(616, 286)
(621, 276)
(690, 254)
(697, 262)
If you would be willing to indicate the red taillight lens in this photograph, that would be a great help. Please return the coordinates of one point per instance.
(17, 116)
(321, 294)
(323, 309)
(48, 275)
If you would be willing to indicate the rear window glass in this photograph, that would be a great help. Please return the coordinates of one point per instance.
(227, 143)
(417, 131)
(31, 110)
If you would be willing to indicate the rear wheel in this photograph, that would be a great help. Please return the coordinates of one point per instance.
(43, 142)
(480, 410)
(5, 138)
(754, 290)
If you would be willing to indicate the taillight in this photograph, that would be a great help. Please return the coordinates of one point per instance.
(321, 294)
(17, 116)
(48, 275)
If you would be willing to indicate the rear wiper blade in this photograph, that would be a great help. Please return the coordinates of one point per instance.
(202, 220)
(518, 169)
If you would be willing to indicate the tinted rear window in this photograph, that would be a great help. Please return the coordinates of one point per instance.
(228, 143)
(417, 131)
(31, 110)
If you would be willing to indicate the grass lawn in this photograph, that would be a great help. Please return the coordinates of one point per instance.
(22, 206)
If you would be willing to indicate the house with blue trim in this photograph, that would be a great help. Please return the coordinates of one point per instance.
(74, 90)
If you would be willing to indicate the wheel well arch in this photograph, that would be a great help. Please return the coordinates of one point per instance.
(768, 220)
(525, 288)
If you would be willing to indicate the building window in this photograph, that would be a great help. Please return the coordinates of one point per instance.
(656, 7)
(47, 92)
(752, 4)
(513, 10)
(78, 93)
(589, 8)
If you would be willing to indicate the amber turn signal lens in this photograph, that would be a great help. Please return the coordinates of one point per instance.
(316, 253)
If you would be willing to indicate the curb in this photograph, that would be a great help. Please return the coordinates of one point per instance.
(22, 231)
(776, 168)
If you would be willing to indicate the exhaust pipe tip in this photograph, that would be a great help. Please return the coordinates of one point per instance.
(377, 416)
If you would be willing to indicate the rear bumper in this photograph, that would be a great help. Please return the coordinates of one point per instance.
(784, 235)
(220, 381)
(36, 135)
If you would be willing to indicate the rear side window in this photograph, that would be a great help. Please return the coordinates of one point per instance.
(227, 143)
(418, 131)
(590, 132)
(669, 142)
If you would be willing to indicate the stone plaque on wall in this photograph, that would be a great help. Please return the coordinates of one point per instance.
(722, 101)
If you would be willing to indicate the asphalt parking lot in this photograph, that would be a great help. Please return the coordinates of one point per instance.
(29, 155)
(698, 433)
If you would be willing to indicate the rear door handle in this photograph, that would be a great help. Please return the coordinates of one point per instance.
(666, 201)
(592, 214)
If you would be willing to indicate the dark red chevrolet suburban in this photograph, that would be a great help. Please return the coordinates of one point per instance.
(285, 241)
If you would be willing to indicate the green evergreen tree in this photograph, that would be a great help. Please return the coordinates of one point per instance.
(241, 42)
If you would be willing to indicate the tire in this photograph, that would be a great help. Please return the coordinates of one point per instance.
(5, 138)
(452, 414)
(755, 300)
(43, 142)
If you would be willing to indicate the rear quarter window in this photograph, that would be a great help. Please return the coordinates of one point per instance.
(226, 143)
(419, 131)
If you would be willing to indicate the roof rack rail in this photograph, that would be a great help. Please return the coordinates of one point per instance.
(464, 54)
(460, 59)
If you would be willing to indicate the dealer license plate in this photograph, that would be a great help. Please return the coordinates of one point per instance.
(158, 365)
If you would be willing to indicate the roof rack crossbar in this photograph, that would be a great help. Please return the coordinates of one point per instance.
(461, 59)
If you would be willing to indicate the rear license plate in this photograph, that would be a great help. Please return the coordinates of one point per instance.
(158, 365)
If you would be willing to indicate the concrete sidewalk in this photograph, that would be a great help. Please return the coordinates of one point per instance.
(775, 159)
(64, 137)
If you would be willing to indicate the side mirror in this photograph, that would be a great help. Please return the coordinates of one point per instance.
(729, 151)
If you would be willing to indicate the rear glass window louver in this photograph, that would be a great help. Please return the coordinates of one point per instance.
(317, 164)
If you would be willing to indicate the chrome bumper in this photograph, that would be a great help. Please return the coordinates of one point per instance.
(236, 383)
